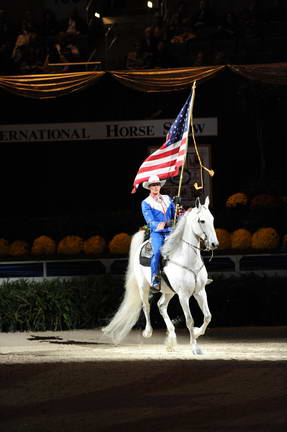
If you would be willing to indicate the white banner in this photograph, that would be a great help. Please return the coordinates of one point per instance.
(99, 130)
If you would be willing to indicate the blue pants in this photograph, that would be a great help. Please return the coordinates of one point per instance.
(157, 240)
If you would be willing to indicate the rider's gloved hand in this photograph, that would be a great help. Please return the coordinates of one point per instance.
(176, 200)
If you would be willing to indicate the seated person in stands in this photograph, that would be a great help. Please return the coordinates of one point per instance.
(203, 17)
(228, 28)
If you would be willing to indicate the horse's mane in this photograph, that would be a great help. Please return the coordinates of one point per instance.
(174, 238)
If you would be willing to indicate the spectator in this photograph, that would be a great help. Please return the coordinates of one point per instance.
(204, 17)
(24, 38)
(135, 58)
(28, 54)
(75, 24)
(55, 55)
(180, 21)
(228, 28)
(70, 49)
(149, 48)
(251, 23)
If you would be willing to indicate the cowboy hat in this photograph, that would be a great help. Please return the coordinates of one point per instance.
(153, 179)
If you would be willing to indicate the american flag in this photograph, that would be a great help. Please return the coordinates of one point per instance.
(166, 161)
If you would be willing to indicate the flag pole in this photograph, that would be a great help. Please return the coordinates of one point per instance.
(182, 167)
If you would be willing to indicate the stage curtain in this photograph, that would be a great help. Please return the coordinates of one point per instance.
(272, 73)
(44, 86)
(165, 80)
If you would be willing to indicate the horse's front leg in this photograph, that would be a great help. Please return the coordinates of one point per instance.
(201, 299)
(162, 305)
(184, 301)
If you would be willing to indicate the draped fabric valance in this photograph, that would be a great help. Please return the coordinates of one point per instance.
(273, 73)
(165, 80)
(44, 86)
(153, 80)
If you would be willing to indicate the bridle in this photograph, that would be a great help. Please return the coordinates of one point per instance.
(198, 236)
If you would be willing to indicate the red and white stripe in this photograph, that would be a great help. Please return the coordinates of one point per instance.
(164, 162)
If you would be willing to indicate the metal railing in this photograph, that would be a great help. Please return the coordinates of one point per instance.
(266, 263)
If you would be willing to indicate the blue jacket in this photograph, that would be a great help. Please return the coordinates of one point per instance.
(156, 211)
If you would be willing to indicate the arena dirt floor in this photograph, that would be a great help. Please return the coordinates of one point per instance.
(78, 381)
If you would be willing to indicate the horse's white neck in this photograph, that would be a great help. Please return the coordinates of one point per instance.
(190, 236)
(188, 251)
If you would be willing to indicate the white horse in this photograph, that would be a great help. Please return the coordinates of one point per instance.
(186, 276)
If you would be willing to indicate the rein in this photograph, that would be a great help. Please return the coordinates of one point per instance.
(194, 272)
(196, 247)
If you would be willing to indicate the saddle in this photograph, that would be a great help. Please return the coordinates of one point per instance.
(146, 253)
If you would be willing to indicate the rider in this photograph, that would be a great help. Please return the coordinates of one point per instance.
(158, 211)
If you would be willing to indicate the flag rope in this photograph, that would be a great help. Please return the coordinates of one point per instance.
(210, 171)
(202, 167)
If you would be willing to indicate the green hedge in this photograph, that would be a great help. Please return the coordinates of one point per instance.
(58, 304)
(90, 302)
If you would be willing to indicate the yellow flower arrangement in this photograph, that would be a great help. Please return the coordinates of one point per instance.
(241, 239)
(43, 245)
(94, 245)
(4, 247)
(18, 248)
(224, 238)
(70, 245)
(264, 201)
(120, 243)
(236, 199)
(265, 238)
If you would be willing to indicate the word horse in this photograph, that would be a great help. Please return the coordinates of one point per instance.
(186, 274)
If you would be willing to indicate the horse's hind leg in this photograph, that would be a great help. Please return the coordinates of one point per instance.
(144, 293)
(162, 305)
(184, 301)
(201, 299)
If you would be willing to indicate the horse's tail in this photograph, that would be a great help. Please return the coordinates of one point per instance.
(130, 308)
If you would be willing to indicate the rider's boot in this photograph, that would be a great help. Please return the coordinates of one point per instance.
(155, 284)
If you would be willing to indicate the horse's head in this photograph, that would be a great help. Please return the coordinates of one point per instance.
(203, 227)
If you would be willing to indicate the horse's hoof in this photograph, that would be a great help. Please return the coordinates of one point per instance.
(147, 333)
(170, 344)
(170, 348)
(196, 351)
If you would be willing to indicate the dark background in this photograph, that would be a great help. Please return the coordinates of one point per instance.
(91, 179)
(84, 187)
